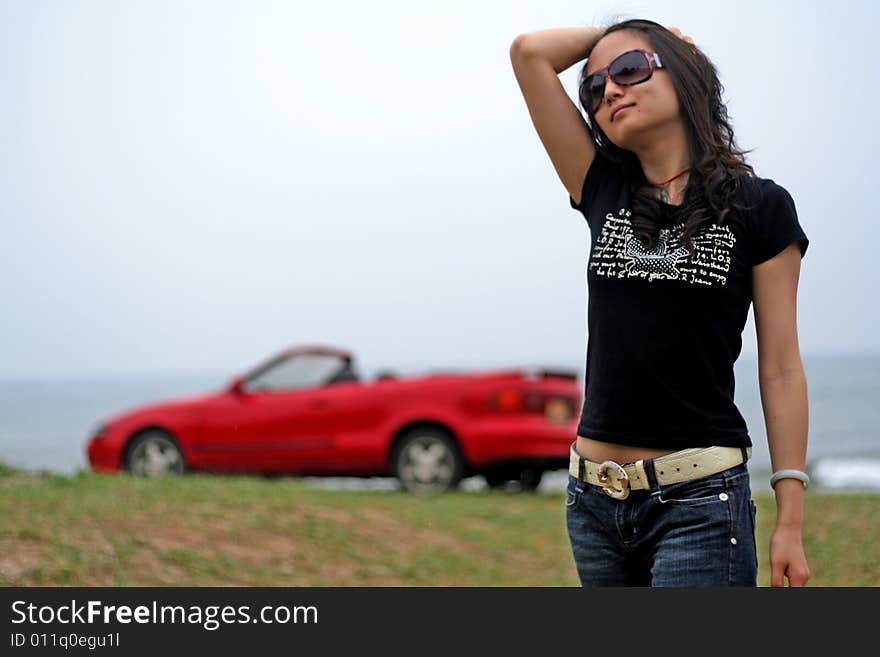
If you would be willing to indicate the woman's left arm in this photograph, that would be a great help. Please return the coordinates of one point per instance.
(784, 399)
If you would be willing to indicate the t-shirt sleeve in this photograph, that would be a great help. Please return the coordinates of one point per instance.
(603, 179)
(775, 224)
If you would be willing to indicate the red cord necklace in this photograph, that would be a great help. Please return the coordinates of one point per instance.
(662, 185)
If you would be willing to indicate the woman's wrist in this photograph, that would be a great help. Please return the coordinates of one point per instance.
(595, 35)
(789, 526)
(789, 503)
(561, 46)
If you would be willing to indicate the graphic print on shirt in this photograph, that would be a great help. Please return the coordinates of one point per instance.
(619, 253)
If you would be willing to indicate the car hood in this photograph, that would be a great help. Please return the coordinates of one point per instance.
(184, 404)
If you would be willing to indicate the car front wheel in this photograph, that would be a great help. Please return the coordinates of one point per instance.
(427, 461)
(154, 454)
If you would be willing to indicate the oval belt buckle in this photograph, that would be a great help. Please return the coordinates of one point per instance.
(614, 480)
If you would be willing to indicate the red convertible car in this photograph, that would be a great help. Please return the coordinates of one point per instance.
(307, 411)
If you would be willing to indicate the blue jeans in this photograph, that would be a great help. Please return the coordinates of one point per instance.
(694, 533)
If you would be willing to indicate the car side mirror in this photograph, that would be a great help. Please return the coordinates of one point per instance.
(235, 388)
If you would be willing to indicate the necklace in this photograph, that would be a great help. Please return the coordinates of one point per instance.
(662, 185)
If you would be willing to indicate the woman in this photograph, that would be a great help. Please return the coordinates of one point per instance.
(684, 237)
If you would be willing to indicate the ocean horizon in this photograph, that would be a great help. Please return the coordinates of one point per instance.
(45, 421)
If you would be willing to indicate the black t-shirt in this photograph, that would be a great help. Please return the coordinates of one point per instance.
(663, 334)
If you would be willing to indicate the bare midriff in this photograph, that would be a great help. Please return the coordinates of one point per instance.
(596, 450)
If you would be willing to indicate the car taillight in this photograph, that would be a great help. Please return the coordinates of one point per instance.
(508, 400)
(556, 408)
(559, 409)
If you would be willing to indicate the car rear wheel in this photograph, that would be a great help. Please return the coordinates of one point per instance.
(427, 461)
(154, 454)
(530, 478)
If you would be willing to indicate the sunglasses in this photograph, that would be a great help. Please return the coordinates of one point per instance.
(632, 67)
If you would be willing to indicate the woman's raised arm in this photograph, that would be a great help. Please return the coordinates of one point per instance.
(538, 58)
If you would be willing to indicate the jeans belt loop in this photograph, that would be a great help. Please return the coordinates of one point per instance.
(651, 473)
(642, 473)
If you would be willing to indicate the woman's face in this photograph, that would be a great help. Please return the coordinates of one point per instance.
(654, 102)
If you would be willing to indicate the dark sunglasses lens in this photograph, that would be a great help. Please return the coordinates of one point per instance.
(630, 68)
(594, 88)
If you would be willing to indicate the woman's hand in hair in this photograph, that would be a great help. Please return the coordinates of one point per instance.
(679, 34)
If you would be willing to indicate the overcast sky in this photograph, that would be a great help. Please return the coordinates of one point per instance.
(193, 186)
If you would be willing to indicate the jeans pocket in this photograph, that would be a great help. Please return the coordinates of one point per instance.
(754, 508)
(702, 490)
(573, 493)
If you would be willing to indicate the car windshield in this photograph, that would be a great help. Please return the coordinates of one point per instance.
(299, 371)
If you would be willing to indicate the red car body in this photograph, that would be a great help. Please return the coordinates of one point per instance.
(338, 424)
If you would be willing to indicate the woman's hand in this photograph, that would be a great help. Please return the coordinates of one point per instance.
(679, 34)
(787, 557)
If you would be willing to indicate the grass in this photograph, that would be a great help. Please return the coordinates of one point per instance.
(205, 530)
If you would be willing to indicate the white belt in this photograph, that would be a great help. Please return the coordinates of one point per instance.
(617, 480)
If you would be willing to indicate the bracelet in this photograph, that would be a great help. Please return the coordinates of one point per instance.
(789, 474)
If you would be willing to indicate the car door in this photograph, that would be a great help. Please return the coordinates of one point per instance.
(282, 420)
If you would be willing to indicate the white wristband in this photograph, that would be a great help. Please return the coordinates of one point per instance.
(789, 474)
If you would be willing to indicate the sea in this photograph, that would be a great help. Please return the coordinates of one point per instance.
(44, 423)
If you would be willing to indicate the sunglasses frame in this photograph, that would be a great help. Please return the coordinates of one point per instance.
(652, 58)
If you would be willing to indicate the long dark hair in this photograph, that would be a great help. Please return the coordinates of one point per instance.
(717, 165)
